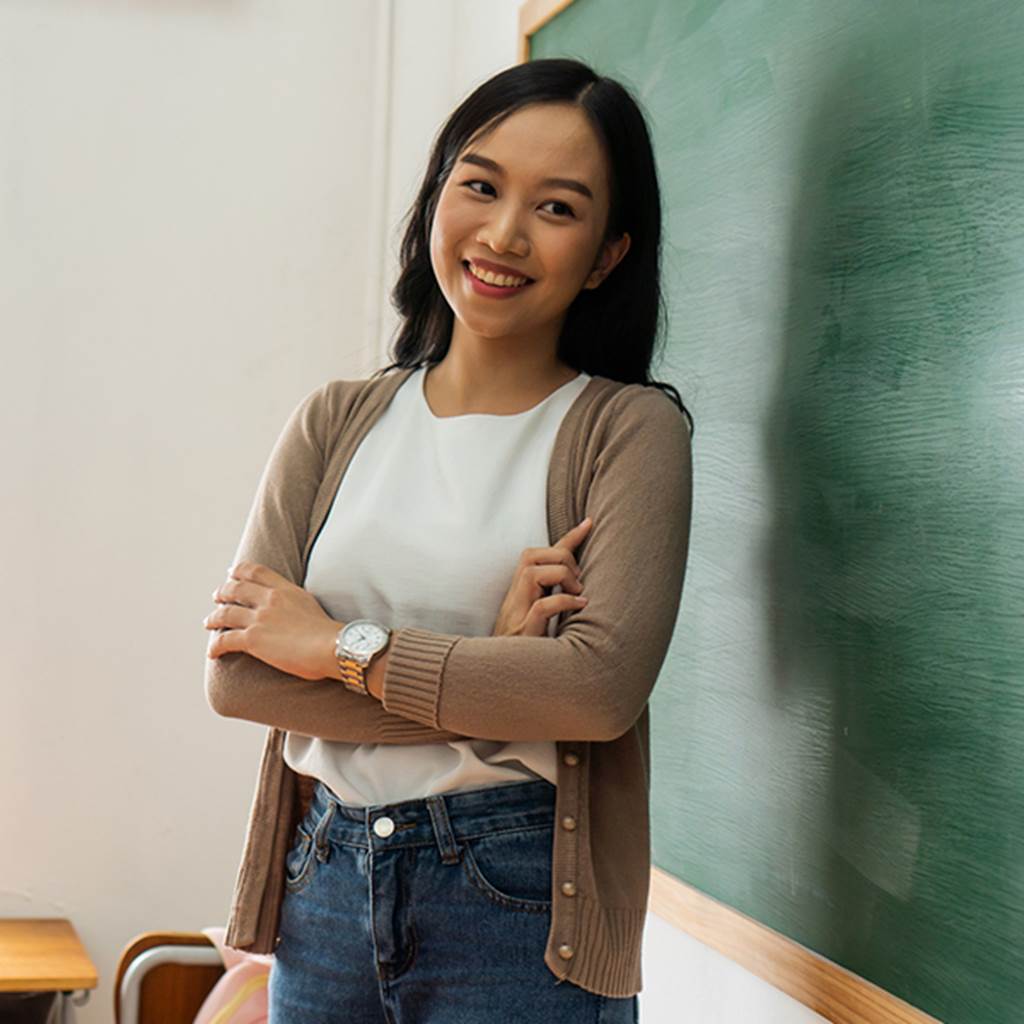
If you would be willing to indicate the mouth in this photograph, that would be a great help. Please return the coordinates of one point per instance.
(467, 266)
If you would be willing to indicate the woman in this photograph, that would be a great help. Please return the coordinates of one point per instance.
(451, 819)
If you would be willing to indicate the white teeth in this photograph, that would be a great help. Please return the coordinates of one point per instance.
(502, 280)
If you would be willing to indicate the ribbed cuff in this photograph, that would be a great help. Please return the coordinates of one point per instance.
(607, 950)
(412, 682)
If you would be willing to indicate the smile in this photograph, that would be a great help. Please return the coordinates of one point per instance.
(496, 291)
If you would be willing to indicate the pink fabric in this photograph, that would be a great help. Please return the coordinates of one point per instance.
(240, 996)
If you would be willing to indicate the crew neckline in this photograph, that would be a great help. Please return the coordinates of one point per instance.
(421, 391)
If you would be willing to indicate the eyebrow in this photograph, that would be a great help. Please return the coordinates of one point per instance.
(570, 183)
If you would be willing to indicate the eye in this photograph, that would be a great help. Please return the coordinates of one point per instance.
(476, 181)
(558, 202)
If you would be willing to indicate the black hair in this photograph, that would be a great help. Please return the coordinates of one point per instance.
(610, 330)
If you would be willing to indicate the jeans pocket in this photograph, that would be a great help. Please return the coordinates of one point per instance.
(298, 862)
(512, 869)
(310, 845)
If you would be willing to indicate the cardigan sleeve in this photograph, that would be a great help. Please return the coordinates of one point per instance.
(592, 680)
(275, 534)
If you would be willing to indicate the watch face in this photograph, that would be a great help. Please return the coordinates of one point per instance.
(364, 637)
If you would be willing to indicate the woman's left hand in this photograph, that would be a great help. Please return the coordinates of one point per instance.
(265, 615)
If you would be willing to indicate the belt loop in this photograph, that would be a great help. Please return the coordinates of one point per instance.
(323, 849)
(442, 829)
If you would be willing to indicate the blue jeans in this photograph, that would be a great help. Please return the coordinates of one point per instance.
(427, 911)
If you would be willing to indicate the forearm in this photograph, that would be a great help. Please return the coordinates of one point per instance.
(241, 686)
(519, 688)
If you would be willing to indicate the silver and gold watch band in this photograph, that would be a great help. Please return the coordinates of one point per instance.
(353, 674)
(353, 669)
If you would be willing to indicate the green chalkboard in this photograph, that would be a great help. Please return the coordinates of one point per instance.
(838, 731)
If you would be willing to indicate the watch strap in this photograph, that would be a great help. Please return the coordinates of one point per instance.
(353, 673)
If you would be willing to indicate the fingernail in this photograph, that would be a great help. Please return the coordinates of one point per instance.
(587, 520)
(581, 600)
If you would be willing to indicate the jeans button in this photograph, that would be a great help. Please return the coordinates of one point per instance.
(384, 827)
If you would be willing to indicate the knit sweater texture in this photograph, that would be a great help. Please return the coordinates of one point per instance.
(622, 456)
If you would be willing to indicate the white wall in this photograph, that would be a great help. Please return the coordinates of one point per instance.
(199, 208)
(685, 982)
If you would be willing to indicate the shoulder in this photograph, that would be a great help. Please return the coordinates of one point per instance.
(646, 400)
(330, 405)
(627, 435)
(641, 410)
(338, 392)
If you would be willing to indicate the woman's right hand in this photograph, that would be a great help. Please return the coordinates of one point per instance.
(525, 610)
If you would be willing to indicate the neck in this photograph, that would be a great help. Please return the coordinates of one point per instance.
(464, 383)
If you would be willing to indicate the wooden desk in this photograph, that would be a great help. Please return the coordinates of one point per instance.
(44, 954)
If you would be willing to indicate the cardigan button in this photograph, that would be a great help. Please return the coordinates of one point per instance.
(569, 823)
(571, 759)
(565, 952)
(569, 888)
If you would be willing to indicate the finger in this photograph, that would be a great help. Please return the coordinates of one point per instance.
(559, 551)
(552, 575)
(230, 616)
(572, 538)
(225, 640)
(237, 592)
(579, 529)
(545, 607)
(553, 556)
(256, 572)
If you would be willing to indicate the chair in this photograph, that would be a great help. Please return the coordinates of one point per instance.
(164, 977)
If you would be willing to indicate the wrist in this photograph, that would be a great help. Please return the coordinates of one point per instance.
(373, 673)
(375, 677)
(330, 658)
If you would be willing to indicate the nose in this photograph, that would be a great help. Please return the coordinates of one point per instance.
(501, 232)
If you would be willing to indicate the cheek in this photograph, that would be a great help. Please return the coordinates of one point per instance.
(447, 241)
(436, 251)
(579, 253)
(445, 248)
(442, 255)
(451, 222)
(564, 271)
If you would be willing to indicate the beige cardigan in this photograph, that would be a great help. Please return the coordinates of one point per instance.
(622, 456)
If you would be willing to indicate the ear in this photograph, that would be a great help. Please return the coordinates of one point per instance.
(608, 259)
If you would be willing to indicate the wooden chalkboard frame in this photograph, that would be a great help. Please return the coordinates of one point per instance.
(835, 993)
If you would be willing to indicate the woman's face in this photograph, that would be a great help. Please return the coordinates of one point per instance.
(497, 207)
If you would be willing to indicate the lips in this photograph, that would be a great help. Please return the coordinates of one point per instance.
(493, 291)
(496, 268)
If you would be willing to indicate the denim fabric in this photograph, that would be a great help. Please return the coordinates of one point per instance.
(427, 911)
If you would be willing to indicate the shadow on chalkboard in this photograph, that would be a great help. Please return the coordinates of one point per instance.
(894, 453)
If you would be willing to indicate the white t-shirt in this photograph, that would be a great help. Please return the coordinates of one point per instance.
(426, 529)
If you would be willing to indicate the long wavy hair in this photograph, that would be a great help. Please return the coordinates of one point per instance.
(612, 330)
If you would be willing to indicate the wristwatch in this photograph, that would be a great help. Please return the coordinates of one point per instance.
(358, 643)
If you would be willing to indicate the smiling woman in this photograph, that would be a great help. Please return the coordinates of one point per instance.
(444, 832)
(504, 229)
(502, 203)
